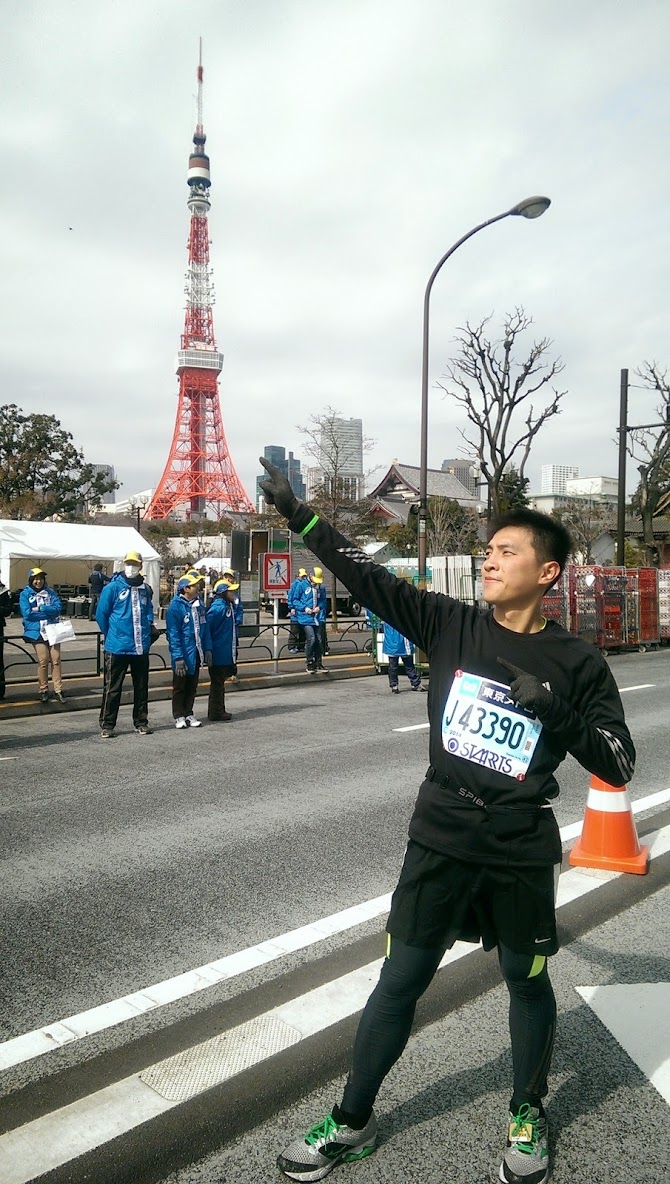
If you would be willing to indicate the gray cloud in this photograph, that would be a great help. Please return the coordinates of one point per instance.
(351, 143)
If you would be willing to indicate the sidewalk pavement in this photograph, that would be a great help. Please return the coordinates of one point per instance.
(83, 691)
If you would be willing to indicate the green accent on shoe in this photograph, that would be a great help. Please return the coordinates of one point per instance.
(313, 521)
(353, 1155)
(321, 1130)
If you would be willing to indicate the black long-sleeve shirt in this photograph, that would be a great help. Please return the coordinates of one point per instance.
(484, 804)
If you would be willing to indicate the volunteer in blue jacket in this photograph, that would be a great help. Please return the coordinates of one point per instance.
(296, 633)
(223, 634)
(310, 608)
(190, 647)
(41, 606)
(397, 647)
(125, 616)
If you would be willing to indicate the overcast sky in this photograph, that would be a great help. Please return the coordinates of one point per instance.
(351, 142)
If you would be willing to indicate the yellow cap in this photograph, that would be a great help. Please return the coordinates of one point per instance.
(317, 575)
(133, 557)
(302, 571)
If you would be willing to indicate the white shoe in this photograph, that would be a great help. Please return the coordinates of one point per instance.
(180, 722)
(192, 722)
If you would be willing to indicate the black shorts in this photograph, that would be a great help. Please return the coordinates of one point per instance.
(440, 900)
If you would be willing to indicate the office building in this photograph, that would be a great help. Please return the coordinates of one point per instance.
(555, 476)
(459, 467)
(106, 471)
(288, 465)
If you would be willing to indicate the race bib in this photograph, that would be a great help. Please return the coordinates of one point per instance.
(482, 724)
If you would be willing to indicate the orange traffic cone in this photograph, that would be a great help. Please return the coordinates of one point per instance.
(609, 838)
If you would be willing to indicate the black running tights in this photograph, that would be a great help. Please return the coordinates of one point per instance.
(387, 1019)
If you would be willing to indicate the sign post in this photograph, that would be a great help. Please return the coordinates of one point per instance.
(276, 581)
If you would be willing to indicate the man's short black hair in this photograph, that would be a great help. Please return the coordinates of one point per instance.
(550, 538)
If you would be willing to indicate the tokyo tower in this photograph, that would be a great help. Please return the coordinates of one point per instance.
(199, 473)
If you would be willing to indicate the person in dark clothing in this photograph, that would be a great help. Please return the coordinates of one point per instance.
(97, 581)
(5, 610)
(510, 694)
(125, 617)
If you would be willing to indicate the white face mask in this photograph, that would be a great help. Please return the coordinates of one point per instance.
(131, 569)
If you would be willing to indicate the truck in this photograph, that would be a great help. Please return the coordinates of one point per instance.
(347, 604)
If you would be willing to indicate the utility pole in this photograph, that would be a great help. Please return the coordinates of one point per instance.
(621, 492)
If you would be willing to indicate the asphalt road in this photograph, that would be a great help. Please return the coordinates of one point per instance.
(130, 862)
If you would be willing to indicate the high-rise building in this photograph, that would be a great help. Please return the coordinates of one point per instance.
(459, 467)
(340, 457)
(555, 476)
(288, 465)
(106, 471)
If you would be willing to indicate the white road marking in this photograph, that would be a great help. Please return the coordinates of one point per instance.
(7, 758)
(637, 1016)
(56, 1138)
(40, 1041)
(622, 690)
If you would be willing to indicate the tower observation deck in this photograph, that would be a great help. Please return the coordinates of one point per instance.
(199, 473)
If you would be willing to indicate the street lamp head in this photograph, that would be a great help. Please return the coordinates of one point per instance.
(531, 207)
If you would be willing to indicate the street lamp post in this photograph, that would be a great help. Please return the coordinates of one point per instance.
(531, 207)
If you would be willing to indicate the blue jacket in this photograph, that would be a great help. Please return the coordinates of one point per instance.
(124, 614)
(37, 607)
(294, 592)
(308, 597)
(187, 632)
(395, 644)
(223, 631)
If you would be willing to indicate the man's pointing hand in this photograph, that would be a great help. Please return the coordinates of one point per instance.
(526, 690)
(277, 490)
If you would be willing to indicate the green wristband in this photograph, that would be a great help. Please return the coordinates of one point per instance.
(309, 526)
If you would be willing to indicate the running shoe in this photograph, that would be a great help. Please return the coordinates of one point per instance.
(60, 696)
(420, 687)
(107, 734)
(180, 722)
(526, 1157)
(192, 722)
(324, 1146)
(395, 690)
(144, 730)
(44, 696)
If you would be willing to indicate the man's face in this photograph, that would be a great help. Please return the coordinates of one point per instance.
(512, 573)
(191, 592)
(38, 583)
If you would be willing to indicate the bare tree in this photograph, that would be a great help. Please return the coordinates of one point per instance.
(586, 520)
(497, 394)
(452, 529)
(339, 495)
(650, 447)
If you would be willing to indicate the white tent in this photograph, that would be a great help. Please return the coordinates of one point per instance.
(67, 552)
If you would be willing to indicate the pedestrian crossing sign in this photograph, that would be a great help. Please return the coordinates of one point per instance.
(276, 572)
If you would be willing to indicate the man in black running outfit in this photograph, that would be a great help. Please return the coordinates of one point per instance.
(510, 694)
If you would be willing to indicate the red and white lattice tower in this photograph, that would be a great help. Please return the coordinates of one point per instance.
(199, 473)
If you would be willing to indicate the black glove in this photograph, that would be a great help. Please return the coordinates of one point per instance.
(277, 490)
(527, 691)
(180, 668)
(208, 657)
(154, 634)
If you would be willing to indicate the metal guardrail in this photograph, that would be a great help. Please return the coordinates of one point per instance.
(354, 638)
